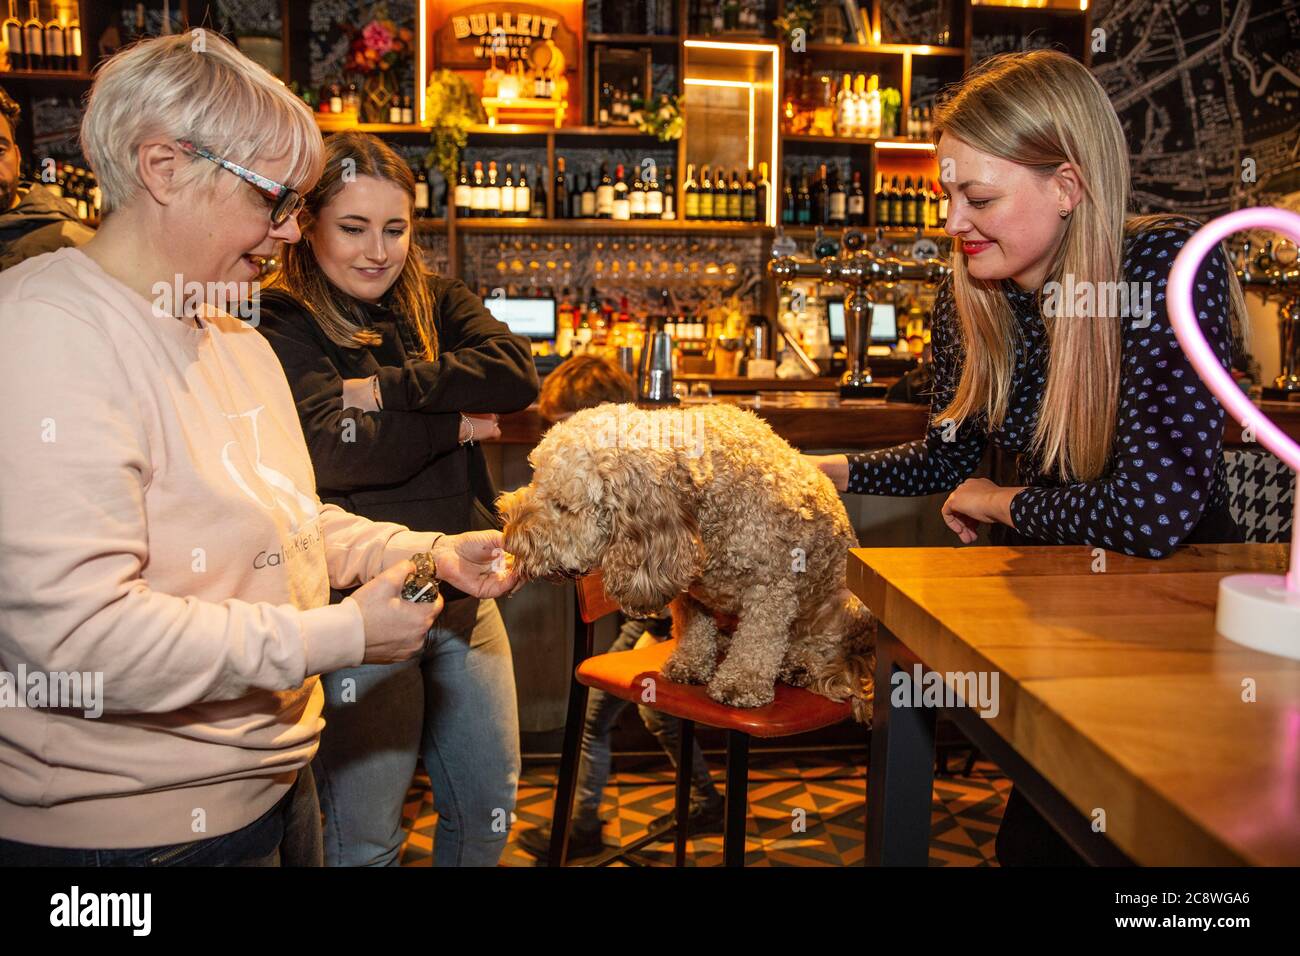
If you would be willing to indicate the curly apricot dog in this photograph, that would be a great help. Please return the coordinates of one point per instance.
(710, 501)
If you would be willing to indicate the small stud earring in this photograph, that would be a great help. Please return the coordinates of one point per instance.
(1063, 212)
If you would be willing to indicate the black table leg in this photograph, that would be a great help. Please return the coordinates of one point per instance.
(900, 777)
(575, 720)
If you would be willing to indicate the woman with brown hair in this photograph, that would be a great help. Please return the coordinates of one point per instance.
(397, 374)
(1051, 342)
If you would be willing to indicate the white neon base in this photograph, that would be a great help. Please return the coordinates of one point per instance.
(1257, 611)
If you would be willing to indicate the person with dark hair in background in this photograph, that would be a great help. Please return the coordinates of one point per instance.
(33, 220)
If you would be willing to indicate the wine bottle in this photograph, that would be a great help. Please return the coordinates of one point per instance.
(636, 196)
(621, 211)
(560, 190)
(478, 192)
(654, 197)
(803, 202)
(822, 198)
(462, 193)
(838, 200)
(895, 203)
(735, 197)
(13, 36)
(789, 208)
(34, 36)
(691, 192)
(762, 194)
(669, 196)
(508, 194)
(55, 45)
(748, 198)
(523, 193)
(421, 193)
(492, 192)
(537, 196)
(857, 203)
(707, 203)
(605, 194)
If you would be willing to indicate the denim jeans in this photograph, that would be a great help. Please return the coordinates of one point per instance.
(454, 706)
(288, 834)
(603, 711)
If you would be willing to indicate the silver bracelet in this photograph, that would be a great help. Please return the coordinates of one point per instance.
(470, 422)
(374, 390)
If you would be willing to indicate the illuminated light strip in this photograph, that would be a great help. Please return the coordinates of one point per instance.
(422, 77)
(917, 147)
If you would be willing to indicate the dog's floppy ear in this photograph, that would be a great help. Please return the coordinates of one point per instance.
(655, 550)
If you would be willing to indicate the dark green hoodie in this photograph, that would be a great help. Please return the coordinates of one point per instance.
(41, 222)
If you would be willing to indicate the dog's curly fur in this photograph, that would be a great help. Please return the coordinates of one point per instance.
(734, 517)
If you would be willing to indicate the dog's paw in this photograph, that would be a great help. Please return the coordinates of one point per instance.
(741, 691)
(680, 669)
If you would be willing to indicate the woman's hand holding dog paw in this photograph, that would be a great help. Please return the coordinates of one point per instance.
(834, 467)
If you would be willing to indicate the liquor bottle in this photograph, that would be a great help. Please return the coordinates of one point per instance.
(857, 202)
(691, 192)
(462, 194)
(589, 199)
(478, 191)
(735, 198)
(621, 207)
(56, 54)
(636, 196)
(748, 198)
(492, 192)
(13, 36)
(882, 201)
(895, 203)
(706, 195)
(560, 190)
(936, 195)
(803, 202)
(762, 192)
(508, 194)
(838, 199)
(789, 208)
(395, 111)
(605, 194)
(34, 37)
(602, 114)
(669, 196)
(73, 41)
(421, 194)
(943, 210)
(909, 203)
(408, 110)
(564, 326)
(336, 98)
(822, 198)
(654, 196)
(537, 196)
(845, 110)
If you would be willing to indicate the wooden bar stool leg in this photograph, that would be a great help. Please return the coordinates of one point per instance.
(575, 719)
(682, 793)
(733, 840)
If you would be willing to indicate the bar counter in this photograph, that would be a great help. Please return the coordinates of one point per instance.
(822, 420)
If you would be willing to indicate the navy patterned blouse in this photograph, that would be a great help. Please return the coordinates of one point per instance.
(1166, 468)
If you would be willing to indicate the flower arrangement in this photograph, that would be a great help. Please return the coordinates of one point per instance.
(799, 15)
(378, 45)
(451, 108)
(662, 119)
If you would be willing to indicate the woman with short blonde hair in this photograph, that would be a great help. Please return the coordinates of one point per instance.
(161, 539)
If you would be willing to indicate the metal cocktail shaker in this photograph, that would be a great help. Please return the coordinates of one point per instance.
(657, 383)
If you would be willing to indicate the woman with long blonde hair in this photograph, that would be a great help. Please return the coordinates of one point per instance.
(1051, 340)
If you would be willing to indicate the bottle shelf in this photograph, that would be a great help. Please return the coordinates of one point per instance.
(337, 122)
(45, 76)
(516, 224)
(891, 232)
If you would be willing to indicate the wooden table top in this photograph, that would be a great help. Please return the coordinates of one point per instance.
(1115, 687)
(819, 420)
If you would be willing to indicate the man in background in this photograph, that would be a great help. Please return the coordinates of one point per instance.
(33, 220)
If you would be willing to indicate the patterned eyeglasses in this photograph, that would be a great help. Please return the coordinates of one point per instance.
(286, 202)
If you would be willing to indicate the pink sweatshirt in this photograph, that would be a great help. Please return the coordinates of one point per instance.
(159, 524)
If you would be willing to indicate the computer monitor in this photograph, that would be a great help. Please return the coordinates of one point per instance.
(884, 323)
(530, 317)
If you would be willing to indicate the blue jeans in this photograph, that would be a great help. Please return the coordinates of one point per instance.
(603, 711)
(288, 834)
(454, 706)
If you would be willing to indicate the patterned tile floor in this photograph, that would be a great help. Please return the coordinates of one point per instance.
(828, 787)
